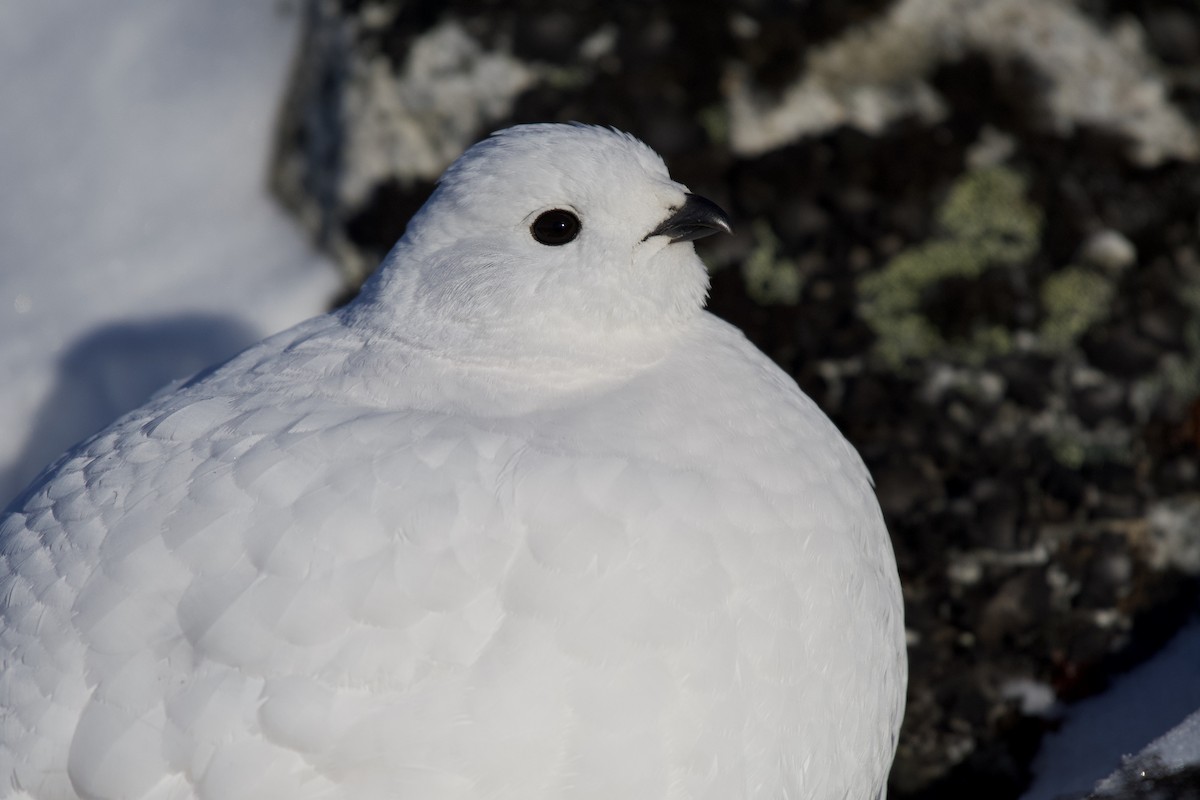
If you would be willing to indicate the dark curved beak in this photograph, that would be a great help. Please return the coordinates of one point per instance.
(697, 218)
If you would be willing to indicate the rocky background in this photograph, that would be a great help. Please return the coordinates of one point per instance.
(969, 228)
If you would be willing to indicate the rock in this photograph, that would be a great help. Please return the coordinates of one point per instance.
(1121, 351)
(1109, 250)
(1094, 404)
(1174, 35)
(876, 74)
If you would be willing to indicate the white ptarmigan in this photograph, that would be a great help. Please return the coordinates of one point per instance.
(522, 522)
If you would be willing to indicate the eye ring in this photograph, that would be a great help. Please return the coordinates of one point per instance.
(555, 227)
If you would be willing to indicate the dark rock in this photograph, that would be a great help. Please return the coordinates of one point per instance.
(1027, 377)
(1174, 35)
(998, 513)
(1095, 404)
(1121, 351)
(901, 487)
(1018, 606)
(381, 221)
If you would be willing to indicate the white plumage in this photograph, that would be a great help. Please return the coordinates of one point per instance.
(523, 521)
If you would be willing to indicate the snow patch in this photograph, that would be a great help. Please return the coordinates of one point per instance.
(139, 240)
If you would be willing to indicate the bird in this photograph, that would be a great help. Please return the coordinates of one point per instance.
(522, 520)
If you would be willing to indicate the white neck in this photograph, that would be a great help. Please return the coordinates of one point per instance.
(491, 322)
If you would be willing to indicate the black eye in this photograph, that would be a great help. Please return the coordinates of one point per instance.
(555, 227)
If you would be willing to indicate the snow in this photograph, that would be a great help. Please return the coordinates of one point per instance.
(1180, 747)
(1133, 712)
(1166, 769)
(139, 243)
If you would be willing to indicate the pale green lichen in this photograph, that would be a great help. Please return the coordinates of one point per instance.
(985, 223)
(985, 341)
(770, 280)
(1074, 446)
(1073, 299)
(987, 208)
(908, 336)
(1067, 451)
(1175, 383)
(1110, 444)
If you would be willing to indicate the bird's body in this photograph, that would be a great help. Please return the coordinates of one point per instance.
(428, 548)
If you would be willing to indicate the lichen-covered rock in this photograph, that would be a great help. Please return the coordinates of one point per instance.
(967, 227)
(879, 72)
(373, 116)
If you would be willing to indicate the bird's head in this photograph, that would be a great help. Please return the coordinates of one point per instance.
(555, 230)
